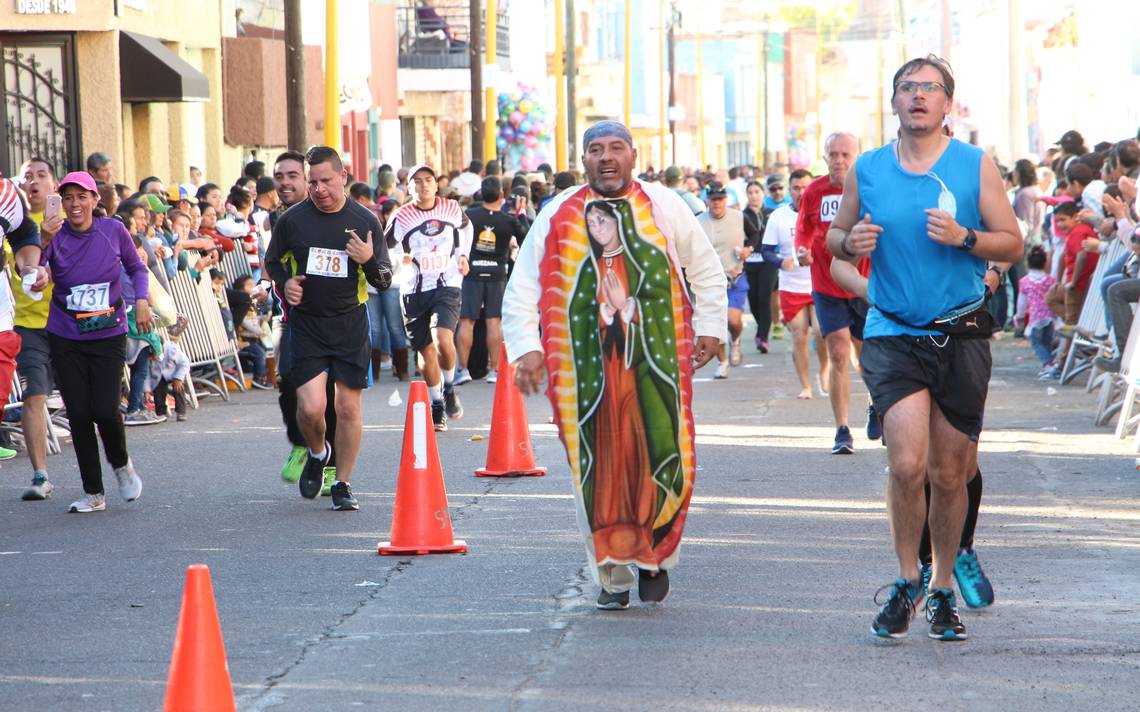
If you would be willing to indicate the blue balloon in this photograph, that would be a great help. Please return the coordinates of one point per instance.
(501, 144)
(524, 127)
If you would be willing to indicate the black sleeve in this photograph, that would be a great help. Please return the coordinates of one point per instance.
(378, 270)
(275, 253)
(518, 230)
(752, 234)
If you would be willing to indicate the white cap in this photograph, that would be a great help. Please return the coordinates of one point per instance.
(421, 167)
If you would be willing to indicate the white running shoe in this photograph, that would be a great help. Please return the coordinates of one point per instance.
(90, 503)
(492, 376)
(130, 485)
(41, 489)
(737, 356)
(722, 370)
(462, 376)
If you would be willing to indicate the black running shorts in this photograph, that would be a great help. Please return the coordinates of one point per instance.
(425, 310)
(336, 345)
(957, 375)
(482, 299)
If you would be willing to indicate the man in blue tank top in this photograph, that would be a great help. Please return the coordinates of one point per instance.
(930, 211)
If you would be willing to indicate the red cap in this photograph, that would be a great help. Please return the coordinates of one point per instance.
(82, 179)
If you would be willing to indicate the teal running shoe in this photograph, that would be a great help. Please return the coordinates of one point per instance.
(976, 589)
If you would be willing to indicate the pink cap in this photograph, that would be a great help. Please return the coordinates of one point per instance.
(82, 179)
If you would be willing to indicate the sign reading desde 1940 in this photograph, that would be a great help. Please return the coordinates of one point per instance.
(45, 7)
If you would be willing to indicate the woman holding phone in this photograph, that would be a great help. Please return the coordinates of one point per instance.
(87, 327)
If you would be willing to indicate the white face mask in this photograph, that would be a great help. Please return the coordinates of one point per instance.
(946, 201)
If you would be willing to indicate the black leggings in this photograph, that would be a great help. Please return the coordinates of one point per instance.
(89, 374)
(762, 280)
(974, 496)
(288, 402)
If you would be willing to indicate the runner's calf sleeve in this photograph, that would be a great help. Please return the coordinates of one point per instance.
(974, 502)
(288, 402)
(974, 493)
(330, 418)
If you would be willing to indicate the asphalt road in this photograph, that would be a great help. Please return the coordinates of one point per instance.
(785, 546)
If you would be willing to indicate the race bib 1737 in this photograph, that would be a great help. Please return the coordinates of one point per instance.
(89, 297)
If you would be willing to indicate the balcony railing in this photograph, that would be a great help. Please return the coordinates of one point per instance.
(437, 38)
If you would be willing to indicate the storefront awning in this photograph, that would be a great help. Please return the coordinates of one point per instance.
(151, 72)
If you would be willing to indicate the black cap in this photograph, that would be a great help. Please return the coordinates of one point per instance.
(1071, 139)
(716, 189)
(774, 180)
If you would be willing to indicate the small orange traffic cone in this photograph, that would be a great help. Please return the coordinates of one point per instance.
(421, 523)
(199, 676)
(509, 453)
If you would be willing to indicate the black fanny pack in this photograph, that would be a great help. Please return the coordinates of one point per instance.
(92, 322)
(974, 322)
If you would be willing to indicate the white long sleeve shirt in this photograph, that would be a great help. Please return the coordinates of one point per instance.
(702, 267)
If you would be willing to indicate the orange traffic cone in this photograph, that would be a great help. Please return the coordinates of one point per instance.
(508, 452)
(199, 676)
(421, 523)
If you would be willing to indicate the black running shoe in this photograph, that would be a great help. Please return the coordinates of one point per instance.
(894, 617)
(451, 403)
(942, 614)
(313, 476)
(874, 424)
(652, 587)
(343, 501)
(613, 601)
(844, 443)
(438, 416)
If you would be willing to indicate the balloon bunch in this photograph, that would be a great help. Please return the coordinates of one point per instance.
(799, 153)
(524, 131)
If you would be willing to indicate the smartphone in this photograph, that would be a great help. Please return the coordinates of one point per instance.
(54, 206)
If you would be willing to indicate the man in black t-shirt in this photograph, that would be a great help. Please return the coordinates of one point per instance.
(496, 233)
(325, 251)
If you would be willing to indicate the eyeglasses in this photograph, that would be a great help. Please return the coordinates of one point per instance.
(927, 87)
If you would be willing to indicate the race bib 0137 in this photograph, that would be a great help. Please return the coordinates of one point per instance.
(434, 262)
(89, 297)
(327, 263)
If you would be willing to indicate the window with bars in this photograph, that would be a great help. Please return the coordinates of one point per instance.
(37, 85)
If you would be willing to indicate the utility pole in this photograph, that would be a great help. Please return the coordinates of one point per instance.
(1018, 135)
(671, 40)
(332, 77)
(491, 107)
(627, 56)
(571, 89)
(560, 49)
(475, 54)
(661, 90)
(295, 77)
(766, 114)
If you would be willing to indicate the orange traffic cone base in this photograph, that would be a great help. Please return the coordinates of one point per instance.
(535, 472)
(386, 549)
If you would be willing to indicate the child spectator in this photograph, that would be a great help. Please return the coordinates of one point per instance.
(141, 349)
(1033, 314)
(1068, 296)
(218, 282)
(251, 327)
(170, 373)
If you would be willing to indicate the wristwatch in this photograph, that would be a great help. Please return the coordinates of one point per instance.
(971, 240)
(999, 272)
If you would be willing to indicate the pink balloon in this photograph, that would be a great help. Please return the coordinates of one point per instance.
(531, 141)
(516, 118)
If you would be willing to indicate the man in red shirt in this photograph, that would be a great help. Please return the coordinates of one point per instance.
(1068, 296)
(841, 314)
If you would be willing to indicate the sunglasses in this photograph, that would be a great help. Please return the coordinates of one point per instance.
(909, 87)
(776, 189)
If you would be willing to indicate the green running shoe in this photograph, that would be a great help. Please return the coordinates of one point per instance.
(7, 453)
(330, 478)
(291, 472)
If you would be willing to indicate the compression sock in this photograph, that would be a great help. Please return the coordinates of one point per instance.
(974, 495)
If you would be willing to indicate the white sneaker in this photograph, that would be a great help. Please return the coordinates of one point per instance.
(130, 485)
(90, 503)
(462, 376)
(492, 376)
(737, 356)
(41, 489)
(722, 370)
(819, 386)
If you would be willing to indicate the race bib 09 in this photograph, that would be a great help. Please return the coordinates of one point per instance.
(327, 263)
(89, 297)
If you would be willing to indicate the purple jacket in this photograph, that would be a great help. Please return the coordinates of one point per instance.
(96, 258)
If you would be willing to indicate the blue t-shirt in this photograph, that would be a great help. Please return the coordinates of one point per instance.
(912, 276)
